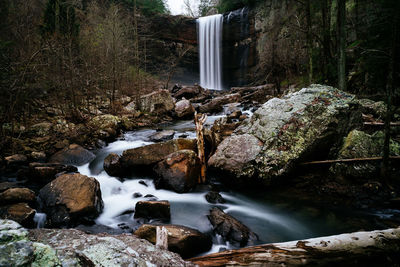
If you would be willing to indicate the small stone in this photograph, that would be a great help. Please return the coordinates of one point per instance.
(136, 195)
(214, 197)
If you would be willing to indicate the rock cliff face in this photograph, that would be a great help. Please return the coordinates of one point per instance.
(257, 44)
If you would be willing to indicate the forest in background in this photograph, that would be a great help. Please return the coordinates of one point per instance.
(71, 53)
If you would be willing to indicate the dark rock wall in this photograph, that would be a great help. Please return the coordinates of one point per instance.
(260, 45)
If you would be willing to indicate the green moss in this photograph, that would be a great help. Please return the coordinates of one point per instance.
(44, 255)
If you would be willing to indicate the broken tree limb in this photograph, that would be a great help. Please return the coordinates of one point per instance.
(355, 160)
(199, 120)
(375, 248)
(370, 123)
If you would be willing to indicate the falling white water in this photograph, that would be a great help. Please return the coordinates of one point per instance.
(210, 56)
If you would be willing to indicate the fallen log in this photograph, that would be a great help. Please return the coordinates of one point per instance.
(374, 248)
(199, 120)
(354, 160)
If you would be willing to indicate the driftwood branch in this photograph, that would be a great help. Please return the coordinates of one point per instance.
(348, 160)
(200, 119)
(375, 248)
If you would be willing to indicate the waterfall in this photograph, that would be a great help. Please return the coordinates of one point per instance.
(210, 54)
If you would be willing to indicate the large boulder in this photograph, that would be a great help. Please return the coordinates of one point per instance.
(359, 144)
(183, 240)
(16, 249)
(105, 126)
(72, 155)
(153, 210)
(133, 160)
(112, 165)
(231, 229)
(188, 92)
(215, 104)
(20, 213)
(76, 248)
(286, 131)
(158, 101)
(179, 171)
(17, 195)
(184, 109)
(71, 199)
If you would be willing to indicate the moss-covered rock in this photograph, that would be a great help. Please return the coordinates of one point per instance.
(286, 131)
(358, 144)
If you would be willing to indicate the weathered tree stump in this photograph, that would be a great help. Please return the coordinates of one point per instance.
(199, 120)
(161, 237)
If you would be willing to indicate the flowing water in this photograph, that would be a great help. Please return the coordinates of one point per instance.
(272, 217)
(210, 56)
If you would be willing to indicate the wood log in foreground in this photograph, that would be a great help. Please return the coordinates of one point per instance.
(199, 120)
(375, 248)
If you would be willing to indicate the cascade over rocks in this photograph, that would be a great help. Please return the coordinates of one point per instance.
(179, 171)
(132, 160)
(71, 199)
(286, 131)
(183, 240)
(72, 155)
(231, 229)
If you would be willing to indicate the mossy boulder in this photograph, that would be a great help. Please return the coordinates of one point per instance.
(358, 144)
(286, 131)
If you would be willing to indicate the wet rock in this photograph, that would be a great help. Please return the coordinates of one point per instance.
(184, 109)
(112, 165)
(214, 197)
(231, 229)
(17, 250)
(44, 173)
(17, 159)
(286, 131)
(215, 104)
(71, 199)
(153, 210)
(136, 195)
(75, 248)
(20, 213)
(234, 115)
(159, 101)
(359, 144)
(143, 183)
(188, 92)
(162, 136)
(17, 195)
(7, 185)
(183, 240)
(179, 171)
(38, 156)
(105, 126)
(133, 160)
(72, 155)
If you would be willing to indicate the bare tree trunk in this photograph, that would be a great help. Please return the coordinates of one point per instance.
(200, 119)
(341, 33)
(309, 42)
(326, 30)
(390, 84)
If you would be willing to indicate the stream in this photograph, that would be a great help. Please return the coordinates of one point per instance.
(271, 216)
